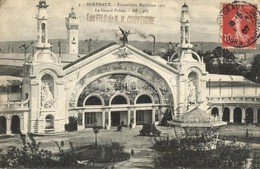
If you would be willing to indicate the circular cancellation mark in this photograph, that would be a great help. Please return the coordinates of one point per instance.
(240, 25)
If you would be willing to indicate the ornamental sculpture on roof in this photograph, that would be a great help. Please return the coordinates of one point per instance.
(125, 34)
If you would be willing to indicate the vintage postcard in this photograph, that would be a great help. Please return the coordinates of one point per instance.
(129, 84)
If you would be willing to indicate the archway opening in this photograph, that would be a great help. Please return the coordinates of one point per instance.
(226, 115)
(143, 99)
(119, 100)
(93, 100)
(2, 125)
(249, 115)
(49, 122)
(214, 112)
(237, 115)
(258, 116)
(15, 124)
(47, 91)
(192, 88)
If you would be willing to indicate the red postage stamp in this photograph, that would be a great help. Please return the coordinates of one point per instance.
(239, 25)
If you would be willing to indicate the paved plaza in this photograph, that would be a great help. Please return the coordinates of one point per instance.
(129, 138)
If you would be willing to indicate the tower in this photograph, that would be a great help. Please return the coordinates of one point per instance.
(42, 84)
(72, 25)
(185, 27)
(192, 74)
(42, 26)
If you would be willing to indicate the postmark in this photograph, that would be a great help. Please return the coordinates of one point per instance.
(239, 25)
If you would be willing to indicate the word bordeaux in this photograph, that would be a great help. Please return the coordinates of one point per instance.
(120, 19)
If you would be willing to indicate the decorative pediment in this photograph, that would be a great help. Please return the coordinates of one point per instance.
(122, 52)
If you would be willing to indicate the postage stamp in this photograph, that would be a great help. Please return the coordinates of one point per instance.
(239, 25)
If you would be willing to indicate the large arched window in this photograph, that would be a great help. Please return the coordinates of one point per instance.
(237, 115)
(258, 116)
(226, 115)
(214, 112)
(3, 125)
(249, 115)
(144, 99)
(119, 100)
(15, 124)
(47, 91)
(93, 100)
(49, 122)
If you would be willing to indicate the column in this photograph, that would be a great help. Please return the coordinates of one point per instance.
(128, 116)
(134, 115)
(22, 123)
(103, 119)
(220, 112)
(153, 115)
(83, 119)
(8, 126)
(25, 120)
(231, 115)
(255, 116)
(109, 119)
(243, 115)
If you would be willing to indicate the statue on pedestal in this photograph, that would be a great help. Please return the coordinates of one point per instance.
(47, 100)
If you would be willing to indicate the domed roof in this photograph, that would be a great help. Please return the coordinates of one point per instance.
(185, 5)
(44, 56)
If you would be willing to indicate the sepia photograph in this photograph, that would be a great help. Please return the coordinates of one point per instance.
(110, 84)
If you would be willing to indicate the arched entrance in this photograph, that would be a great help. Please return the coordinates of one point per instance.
(119, 117)
(2, 125)
(226, 115)
(258, 116)
(93, 115)
(118, 93)
(15, 124)
(144, 116)
(249, 115)
(237, 115)
(214, 112)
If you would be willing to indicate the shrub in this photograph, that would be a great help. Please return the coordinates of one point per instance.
(66, 158)
(72, 125)
(197, 152)
(28, 156)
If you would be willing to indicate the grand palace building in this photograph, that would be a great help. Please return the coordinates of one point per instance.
(116, 84)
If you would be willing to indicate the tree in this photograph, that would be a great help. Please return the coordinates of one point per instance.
(222, 61)
(254, 74)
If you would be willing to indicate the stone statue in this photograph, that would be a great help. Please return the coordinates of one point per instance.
(125, 34)
(46, 96)
(192, 93)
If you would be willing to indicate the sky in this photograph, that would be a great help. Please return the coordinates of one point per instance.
(17, 21)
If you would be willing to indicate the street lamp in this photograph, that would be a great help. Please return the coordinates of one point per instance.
(24, 47)
(59, 45)
(96, 131)
(89, 46)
